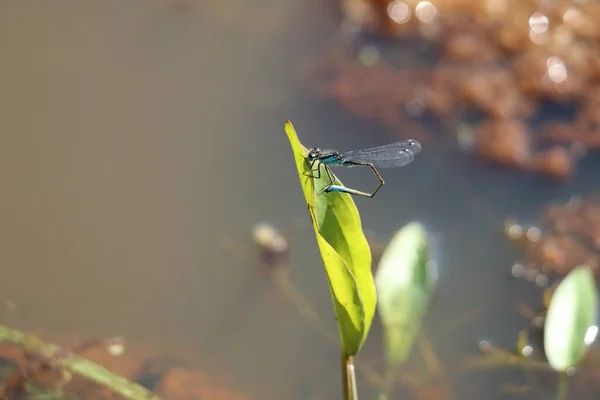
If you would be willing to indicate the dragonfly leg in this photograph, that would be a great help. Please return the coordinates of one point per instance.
(381, 182)
(331, 180)
(310, 165)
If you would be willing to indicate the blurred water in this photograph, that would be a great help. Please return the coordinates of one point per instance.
(135, 135)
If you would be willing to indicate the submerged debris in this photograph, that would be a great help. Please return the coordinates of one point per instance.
(175, 378)
(570, 237)
(273, 247)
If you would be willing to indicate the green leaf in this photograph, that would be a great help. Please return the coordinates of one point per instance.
(405, 281)
(571, 316)
(344, 250)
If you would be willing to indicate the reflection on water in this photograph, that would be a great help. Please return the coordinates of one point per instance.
(136, 135)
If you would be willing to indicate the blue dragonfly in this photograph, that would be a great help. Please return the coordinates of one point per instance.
(392, 155)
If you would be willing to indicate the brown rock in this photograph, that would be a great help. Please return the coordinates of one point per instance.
(505, 142)
(556, 162)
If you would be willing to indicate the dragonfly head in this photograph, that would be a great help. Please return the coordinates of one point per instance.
(314, 153)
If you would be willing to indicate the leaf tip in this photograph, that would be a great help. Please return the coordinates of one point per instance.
(290, 131)
(570, 325)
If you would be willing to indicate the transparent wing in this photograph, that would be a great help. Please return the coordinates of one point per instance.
(391, 155)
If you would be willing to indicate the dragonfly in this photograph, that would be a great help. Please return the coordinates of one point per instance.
(392, 155)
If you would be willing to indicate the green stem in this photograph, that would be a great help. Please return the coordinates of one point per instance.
(349, 378)
(563, 386)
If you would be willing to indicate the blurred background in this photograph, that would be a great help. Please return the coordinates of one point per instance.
(141, 141)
